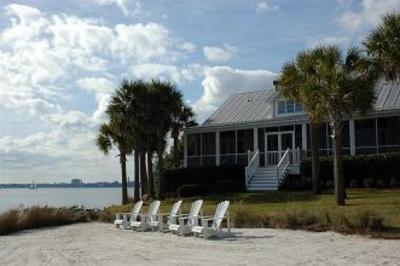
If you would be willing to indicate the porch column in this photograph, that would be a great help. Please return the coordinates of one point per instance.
(255, 139)
(304, 136)
(352, 136)
(217, 149)
(185, 151)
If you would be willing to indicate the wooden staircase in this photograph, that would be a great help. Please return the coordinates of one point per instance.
(266, 178)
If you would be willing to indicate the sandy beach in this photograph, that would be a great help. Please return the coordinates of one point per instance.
(103, 244)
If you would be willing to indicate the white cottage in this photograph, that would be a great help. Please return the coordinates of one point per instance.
(269, 134)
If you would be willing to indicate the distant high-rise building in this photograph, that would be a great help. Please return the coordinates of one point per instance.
(76, 181)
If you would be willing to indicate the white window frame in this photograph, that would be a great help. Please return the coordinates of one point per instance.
(295, 112)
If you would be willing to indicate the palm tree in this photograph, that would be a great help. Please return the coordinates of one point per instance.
(296, 82)
(109, 135)
(120, 112)
(182, 120)
(338, 87)
(383, 45)
(166, 104)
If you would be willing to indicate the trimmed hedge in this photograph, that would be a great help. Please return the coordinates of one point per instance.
(370, 171)
(217, 179)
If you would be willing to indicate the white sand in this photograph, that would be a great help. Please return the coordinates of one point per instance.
(103, 244)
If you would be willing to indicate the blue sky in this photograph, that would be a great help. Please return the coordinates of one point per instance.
(60, 60)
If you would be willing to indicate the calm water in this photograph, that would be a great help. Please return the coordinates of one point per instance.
(59, 197)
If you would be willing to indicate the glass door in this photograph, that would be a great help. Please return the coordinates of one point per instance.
(276, 145)
(272, 149)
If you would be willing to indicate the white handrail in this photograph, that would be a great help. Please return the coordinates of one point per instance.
(282, 166)
(252, 166)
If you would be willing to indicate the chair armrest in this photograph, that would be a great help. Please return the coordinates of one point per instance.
(123, 213)
(163, 214)
(214, 218)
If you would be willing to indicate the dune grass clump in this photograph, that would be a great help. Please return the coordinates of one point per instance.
(37, 217)
(364, 222)
(9, 222)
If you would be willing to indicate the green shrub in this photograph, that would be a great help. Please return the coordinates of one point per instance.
(218, 179)
(375, 170)
(191, 190)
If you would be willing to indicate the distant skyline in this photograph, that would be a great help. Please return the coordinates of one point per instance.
(60, 60)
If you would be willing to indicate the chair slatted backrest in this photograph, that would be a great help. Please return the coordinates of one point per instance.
(175, 209)
(195, 210)
(153, 209)
(174, 212)
(136, 209)
(220, 212)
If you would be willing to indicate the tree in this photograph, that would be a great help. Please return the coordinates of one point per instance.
(166, 104)
(339, 86)
(383, 45)
(110, 135)
(120, 110)
(296, 82)
(185, 118)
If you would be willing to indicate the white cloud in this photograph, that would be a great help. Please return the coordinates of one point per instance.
(330, 40)
(127, 6)
(221, 81)
(263, 7)
(187, 46)
(47, 61)
(218, 54)
(369, 15)
(160, 71)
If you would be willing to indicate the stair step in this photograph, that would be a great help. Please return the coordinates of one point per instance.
(262, 188)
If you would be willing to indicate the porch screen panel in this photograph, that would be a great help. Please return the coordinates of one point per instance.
(228, 147)
(193, 150)
(389, 134)
(208, 149)
(345, 138)
(245, 142)
(323, 140)
(261, 145)
(365, 131)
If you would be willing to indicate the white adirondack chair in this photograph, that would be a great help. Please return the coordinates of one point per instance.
(123, 220)
(211, 226)
(146, 219)
(171, 217)
(186, 221)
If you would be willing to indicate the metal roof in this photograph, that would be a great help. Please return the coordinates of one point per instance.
(244, 107)
(388, 96)
(258, 105)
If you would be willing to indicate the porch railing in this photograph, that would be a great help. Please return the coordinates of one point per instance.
(282, 166)
(253, 164)
(274, 157)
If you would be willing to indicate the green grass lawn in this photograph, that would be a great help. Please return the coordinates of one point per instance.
(381, 203)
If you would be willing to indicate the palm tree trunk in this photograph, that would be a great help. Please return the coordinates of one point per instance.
(338, 163)
(150, 185)
(124, 178)
(160, 169)
(315, 164)
(143, 173)
(136, 195)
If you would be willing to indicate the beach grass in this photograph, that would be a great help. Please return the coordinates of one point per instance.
(373, 212)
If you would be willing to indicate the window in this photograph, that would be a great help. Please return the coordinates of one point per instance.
(289, 107)
(281, 107)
